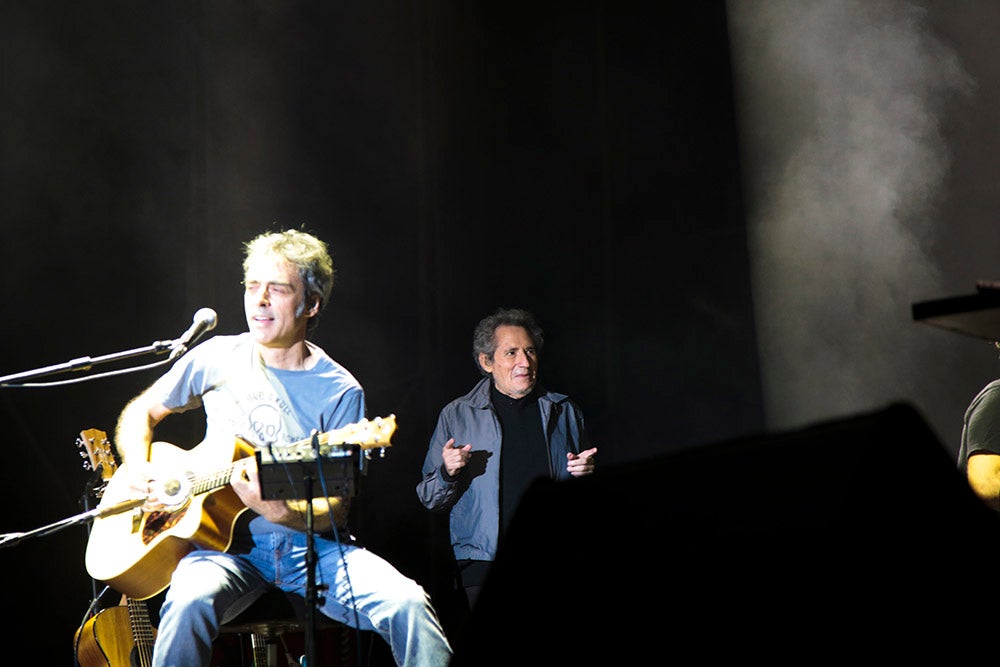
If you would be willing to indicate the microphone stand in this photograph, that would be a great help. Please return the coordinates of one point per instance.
(311, 593)
(86, 363)
(10, 539)
(89, 493)
(277, 481)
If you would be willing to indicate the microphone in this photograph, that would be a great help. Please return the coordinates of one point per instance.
(204, 320)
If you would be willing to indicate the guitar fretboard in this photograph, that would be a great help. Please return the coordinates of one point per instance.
(211, 481)
(142, 631)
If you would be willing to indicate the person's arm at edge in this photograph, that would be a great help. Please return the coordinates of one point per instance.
(983, 473)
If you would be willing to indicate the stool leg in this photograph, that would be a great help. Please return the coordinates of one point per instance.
(292, 660)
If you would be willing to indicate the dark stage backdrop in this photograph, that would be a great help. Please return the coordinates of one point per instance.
(576, 159)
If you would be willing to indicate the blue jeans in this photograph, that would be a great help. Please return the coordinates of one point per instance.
(209, 588)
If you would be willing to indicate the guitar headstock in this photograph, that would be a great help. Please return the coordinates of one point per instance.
(99, 455)
(367, 433)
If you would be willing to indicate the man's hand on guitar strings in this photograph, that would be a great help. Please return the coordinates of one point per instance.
(162, 490)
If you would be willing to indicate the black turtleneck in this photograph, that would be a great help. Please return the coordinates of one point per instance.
(524, 455)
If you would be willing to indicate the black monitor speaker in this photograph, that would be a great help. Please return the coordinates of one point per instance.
(848, 535)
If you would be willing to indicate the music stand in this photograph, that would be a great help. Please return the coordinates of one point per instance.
(976, 314)
(291, 475)
(283, 474)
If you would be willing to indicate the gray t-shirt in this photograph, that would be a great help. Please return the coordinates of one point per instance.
(981, 426)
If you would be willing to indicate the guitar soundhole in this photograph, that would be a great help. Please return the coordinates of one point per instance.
(157, 522)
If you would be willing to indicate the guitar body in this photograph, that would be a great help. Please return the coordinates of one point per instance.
(135, 552)
(119, 636)
(106, 639)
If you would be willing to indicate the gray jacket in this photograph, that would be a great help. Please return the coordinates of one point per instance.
(473, 496)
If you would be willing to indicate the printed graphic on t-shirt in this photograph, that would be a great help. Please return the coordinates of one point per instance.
(265, 423)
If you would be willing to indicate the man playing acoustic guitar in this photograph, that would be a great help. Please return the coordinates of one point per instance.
(268, 387)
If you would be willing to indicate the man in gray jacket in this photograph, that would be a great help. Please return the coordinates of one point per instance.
(490, 444)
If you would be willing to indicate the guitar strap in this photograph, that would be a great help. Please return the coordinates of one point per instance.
(258, 406)
(290, 423)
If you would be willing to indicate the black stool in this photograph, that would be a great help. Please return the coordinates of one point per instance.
(268, 620)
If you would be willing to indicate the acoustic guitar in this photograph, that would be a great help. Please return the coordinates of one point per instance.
(136, 551)
(120, 636)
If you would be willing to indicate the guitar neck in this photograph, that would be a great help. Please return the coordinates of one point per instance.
(142, 630)
(212, 481)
